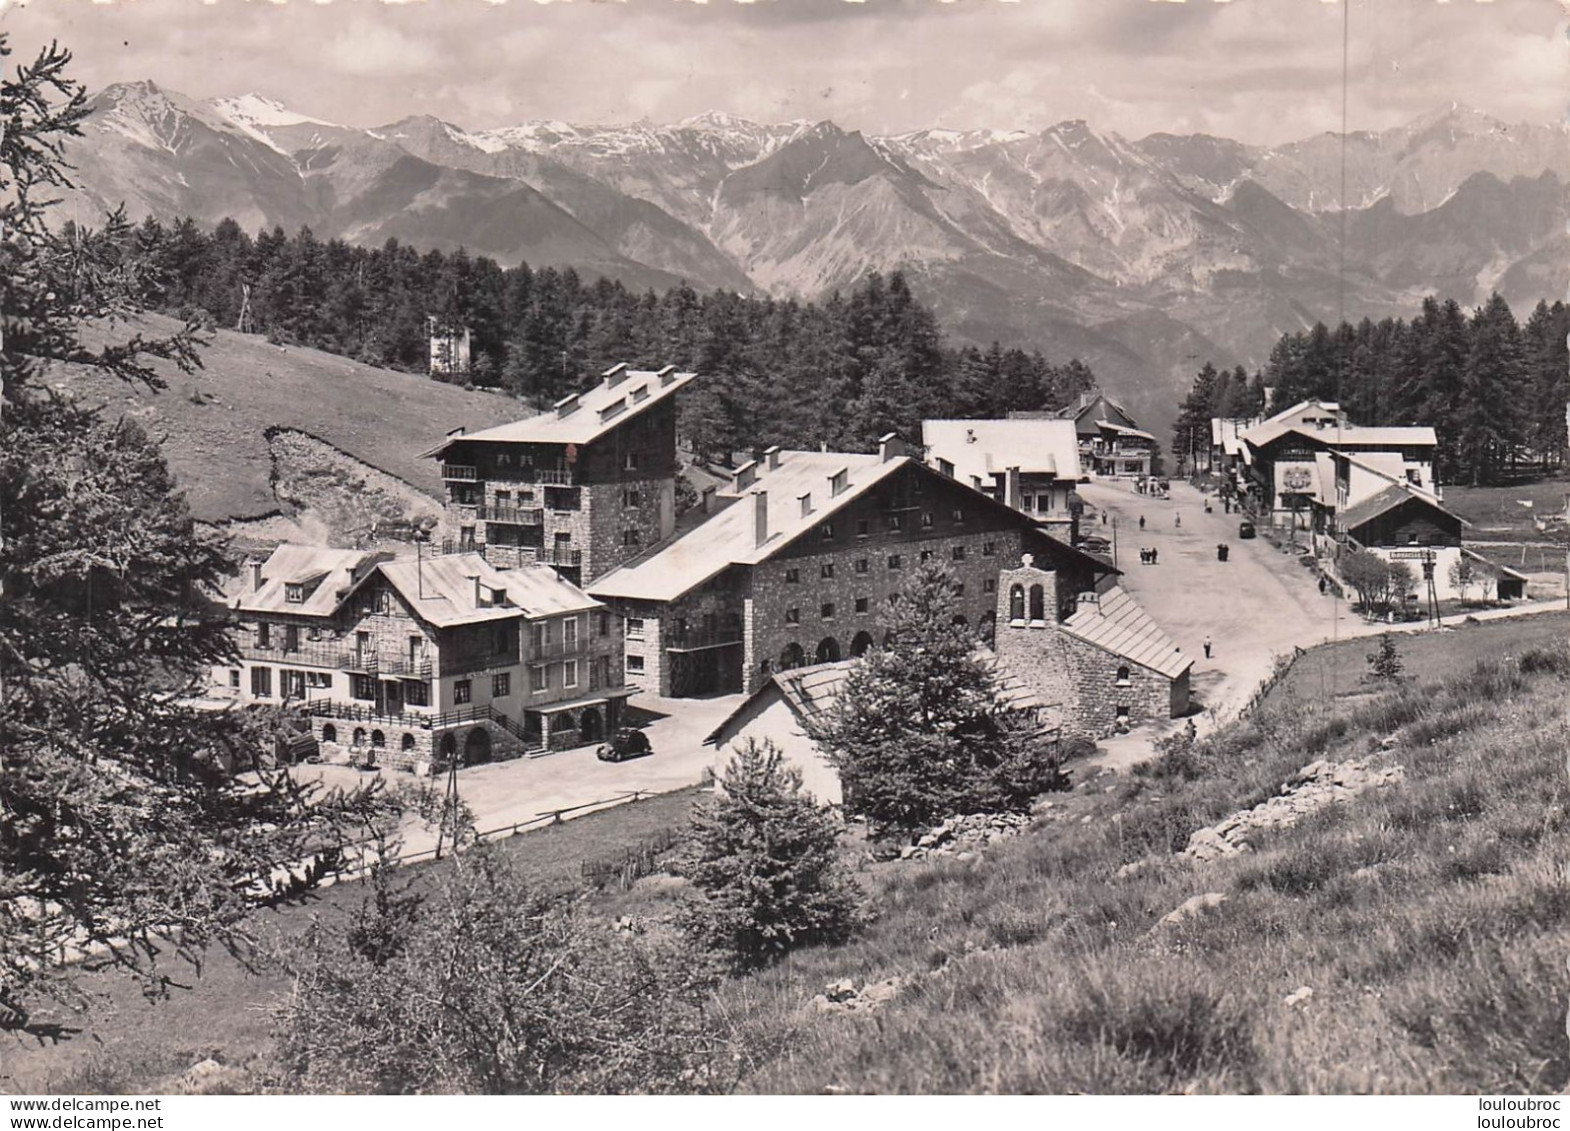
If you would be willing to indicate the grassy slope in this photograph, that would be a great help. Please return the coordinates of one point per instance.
(218, 448)
(1496, 513)
(1429, 919)
(130, 1044)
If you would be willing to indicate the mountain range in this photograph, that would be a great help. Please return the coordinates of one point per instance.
(1144, 257)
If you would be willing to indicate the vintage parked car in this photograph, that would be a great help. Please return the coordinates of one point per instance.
(1245, 529)
(627, 742)
(1095, 544)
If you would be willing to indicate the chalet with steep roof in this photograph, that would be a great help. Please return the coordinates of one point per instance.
(1111, 443)
(1031, 464)
(412, 662)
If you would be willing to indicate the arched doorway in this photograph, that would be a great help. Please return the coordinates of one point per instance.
(591, 726)
(477, 747)
(329, 733)
(407, 742)
(862, 642)
(359, 736)
(449, 746)
(828, 650)
(792, 657)
(961, 621)
(378, 739)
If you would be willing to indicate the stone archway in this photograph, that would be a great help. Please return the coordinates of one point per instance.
(792, 657)
(861, 644)
(591, 726)
(448, 747)
(828, 650)
(477, 746)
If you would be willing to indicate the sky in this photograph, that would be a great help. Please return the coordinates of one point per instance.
(1260, 71)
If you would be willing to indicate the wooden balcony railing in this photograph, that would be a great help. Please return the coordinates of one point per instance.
(517, 516)
(459, 471)
(331, 654)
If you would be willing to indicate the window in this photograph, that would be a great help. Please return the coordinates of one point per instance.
(826, 570)
(1123, 676)
(466, 538)
(792, 616)
(957, 554)
(793, 577)
(862, 604)
(896, 561)
(629, 537)
(896, 523)
(262, 682)
(631, 462)
(863, 527)
(537, 678)
(462, 691)
(318, 681)
(826, 532)
(569, 674)
(294, 593)
(990, 585)
(417, 693)
(383, 602)
(540, 633)
(862, 565)
(826, 610)
(264, 635)
(1017, 604)
(503, 459)
(234, 677)
(634, 664)
(989, 549)
(501, 685)
(569, 632)
(1038, 606)
(362, 687)
(605, 624)
(634, 629)
(501, 639)
(926, 520)
(959, 515)
(630, 498)
(926, 555)
(959, 589)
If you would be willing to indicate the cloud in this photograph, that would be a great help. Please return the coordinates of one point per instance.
(1258, 70)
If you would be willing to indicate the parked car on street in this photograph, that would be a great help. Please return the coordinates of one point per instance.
(1245, 529)
(1095, 544)
(628, 742)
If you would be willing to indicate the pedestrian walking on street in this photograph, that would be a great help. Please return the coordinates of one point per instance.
(1323, 584)
(1142, 522)
(1207, 647)
(1177, 519)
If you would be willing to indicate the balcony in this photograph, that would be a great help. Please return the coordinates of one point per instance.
(560, 556)
(697, 640)
(459, 471)
(555, 477)
(557, 649)
(517, 516)
(333, 654)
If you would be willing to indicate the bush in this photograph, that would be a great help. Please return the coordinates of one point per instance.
(764, 859)
(1179, 757)
(1385, 661)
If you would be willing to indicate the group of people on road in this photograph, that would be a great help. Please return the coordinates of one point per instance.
(1147, 556)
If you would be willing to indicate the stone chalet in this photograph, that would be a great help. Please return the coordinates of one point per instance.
(1030, 464)
(1095, 654)
(797, 558)
(781, 708)
(1111, 443)
(408, 662)
(583, 487)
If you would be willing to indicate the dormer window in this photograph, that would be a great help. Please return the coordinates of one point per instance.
(839, 481)
(294, 592)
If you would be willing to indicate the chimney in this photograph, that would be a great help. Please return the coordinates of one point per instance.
(479, 590)
(806, 503)
(746, 475)
(666, 375)
(838, 482)
(772, 458)
(706, 500)
(256, 574)
(760, 517)
(1011, 488)
(615, 374)
(890, 446)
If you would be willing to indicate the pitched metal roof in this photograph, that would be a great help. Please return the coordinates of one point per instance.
(1119, 624)
(1340, 435)
(979, 449)
(812, 691)
(333, 572)
(729, 537)
(1387, 500)
(455, 589)
(583, 417)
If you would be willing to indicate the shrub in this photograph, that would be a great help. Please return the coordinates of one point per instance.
(764, 860)
(1179, 756)
(1384, 662)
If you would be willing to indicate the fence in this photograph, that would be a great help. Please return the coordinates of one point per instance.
(632, 864)
(1284, 664)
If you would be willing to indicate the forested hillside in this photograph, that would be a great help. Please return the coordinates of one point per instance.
(777, 371)
(1494, 389)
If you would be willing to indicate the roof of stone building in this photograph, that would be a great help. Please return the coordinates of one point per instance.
(455, 589)
(583, 417)
(812, 691)
(1388, 500)
(729, 537)
(980, 449)
(1120, 625)
(1124, 430)
(1338, 435)
(327, 574)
